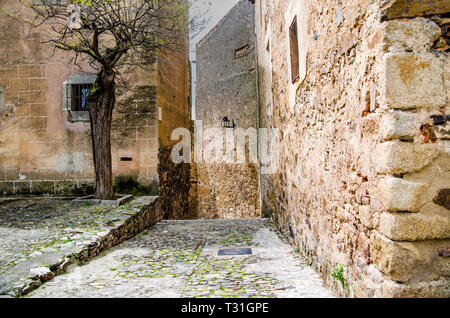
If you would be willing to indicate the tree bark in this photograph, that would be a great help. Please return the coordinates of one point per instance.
(101, 105)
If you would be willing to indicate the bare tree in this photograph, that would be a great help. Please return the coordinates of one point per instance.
(112, 35)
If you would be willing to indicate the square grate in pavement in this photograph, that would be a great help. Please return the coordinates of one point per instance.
(235, 251)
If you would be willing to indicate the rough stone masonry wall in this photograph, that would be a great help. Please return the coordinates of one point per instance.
(40, 150)
(226, 86)
(364, 172)
(175, 112)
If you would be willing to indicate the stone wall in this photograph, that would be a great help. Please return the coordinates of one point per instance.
(364, 171)
(226, 87)
(41, 151)
(175, 112)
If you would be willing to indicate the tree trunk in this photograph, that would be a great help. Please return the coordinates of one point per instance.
(101, 105)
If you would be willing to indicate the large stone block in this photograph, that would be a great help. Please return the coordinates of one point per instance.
(399, 125)
(29, 149)
(37, 84)
(414, 81)
(32, 97)
(8, 72)
(398, 33)
(74, 162)
(436, 289)
(31, 123)
(394, 9)
(396, 157)
(29, 71)
(406, 262)
(19, 85)
(414, 227)
(400, 195)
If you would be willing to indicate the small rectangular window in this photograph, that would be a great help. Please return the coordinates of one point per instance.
(79, 95)
(293, 37)
(75, 93)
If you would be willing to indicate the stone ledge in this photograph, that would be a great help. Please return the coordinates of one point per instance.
(400, 195)
(407, 262)
(396, 157)
(90, 199)
(125, 222)
(414, 227)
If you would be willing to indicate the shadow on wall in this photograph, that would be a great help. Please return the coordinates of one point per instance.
(175, 187)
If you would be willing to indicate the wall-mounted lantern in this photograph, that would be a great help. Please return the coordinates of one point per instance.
(226, 123)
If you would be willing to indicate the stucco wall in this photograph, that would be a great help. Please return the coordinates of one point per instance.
(41, 151)
(363, 168)
(226, 86)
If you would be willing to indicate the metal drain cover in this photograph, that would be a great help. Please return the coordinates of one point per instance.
(235, 251)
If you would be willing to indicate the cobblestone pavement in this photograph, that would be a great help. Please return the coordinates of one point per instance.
(179, 259)
(38, 232)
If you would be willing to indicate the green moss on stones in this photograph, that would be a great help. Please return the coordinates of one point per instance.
(128, 184)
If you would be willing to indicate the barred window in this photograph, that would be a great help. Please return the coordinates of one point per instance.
(75, 93)
(79, 96)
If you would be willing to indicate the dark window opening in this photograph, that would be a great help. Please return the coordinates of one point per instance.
(126, 159)
(293, 37)
(79, 96)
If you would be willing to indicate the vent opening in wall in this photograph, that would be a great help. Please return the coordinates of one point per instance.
(293, 39)
(126, 159)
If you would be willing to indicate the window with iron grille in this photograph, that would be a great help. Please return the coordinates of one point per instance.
(293, 39)
(79, 96)
(75, 93)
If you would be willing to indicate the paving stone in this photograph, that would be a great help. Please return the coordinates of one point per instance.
(37, 235)
(179, 259)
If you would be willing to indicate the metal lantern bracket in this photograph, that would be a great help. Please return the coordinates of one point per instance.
(226, 123)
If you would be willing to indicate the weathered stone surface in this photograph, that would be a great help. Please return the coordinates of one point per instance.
(366, 217)
(396, 157)
(400, 195)
(447, 75)
(414, 80)
(433, 289)
(394, 9)
(407, 262)
(226, 87)
(398, 34)
(41, 273)
(399, 125)
(370, 86)
(31, 84)
(443, 198)
(41, 238)
(179, 259)
(414, 227)
(74, 162)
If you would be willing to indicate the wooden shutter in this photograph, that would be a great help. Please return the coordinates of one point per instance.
(293, 37)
